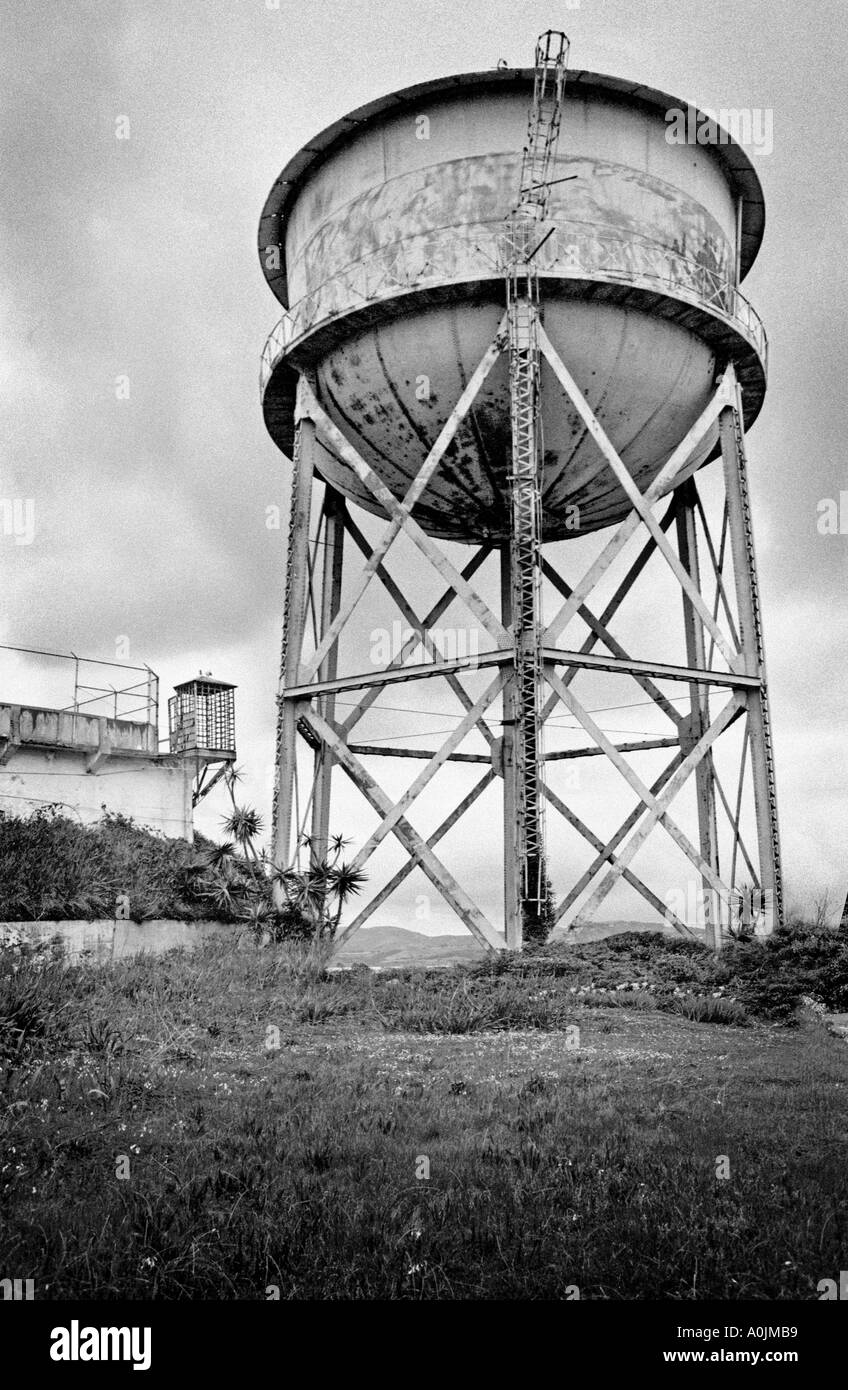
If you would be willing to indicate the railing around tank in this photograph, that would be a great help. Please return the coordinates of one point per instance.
(570, 251)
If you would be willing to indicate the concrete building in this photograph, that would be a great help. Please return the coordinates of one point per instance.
(92, 763)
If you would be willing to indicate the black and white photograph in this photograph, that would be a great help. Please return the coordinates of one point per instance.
(423, 675)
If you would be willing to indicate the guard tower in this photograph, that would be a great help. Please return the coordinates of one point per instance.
(201, 722)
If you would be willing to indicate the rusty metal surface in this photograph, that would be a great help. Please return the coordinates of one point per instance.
(424, 208)
(392, 264)
(729, 159)
(647, 380)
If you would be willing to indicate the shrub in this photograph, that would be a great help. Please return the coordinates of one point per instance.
(30, 994)
(705, 1008)
(771, 976)
(290, 923)
(768, 976)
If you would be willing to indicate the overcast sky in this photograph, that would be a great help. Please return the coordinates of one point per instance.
(136, 258)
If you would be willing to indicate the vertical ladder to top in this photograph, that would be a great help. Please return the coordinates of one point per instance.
(522, 296)
(544, 121)
(525, 538)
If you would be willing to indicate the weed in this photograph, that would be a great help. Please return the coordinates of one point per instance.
(703, 1008)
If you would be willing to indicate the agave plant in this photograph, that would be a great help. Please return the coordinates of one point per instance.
(320, 892)
(346, 883)
(304, 891)
(244, 825)
(746, 908)
(259, 917)
(309, 901)
(221, 857)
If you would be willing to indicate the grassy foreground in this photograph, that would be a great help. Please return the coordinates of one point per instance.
(240, 1124)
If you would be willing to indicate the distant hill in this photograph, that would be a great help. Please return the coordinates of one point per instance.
(390, 947)
(598, 931)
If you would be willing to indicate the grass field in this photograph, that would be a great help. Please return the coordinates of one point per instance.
(237, 1124)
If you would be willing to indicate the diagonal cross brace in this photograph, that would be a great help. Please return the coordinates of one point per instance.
(401, 512)
(642, 502)
(628, 486)
(475, 920)
(595, 841)
(613, 646)
(421, 626)
(657, 807)
(426, 774)
(605, 852)
(440, 607)
(600, 739)
(412, 862)
(716, 561)
(612, 607)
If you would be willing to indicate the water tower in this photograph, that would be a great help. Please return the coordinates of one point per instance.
(501, 339)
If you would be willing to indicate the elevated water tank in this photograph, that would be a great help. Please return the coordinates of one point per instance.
(381, 238)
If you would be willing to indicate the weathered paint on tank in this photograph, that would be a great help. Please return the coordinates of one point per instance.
(392, 276)
(646, 379)
(378, 190)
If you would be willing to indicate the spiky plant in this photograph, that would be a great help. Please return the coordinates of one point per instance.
(318, 893)
(221, 857)
(244, 825)
(346, 882)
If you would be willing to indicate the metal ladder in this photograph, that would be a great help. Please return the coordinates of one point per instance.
(522, 297)
(544, 119)
(525, 538)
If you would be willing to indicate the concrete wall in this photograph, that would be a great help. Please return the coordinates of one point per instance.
(101, 942)
(69, 729)
(155, 791)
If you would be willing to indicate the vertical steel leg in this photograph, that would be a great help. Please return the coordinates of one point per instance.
(294, 621)
(751, 637)
(699, 716)
(331, 588)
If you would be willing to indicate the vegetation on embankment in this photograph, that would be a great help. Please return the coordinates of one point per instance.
(764, 978)
(228, 1122)
(53, 868)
